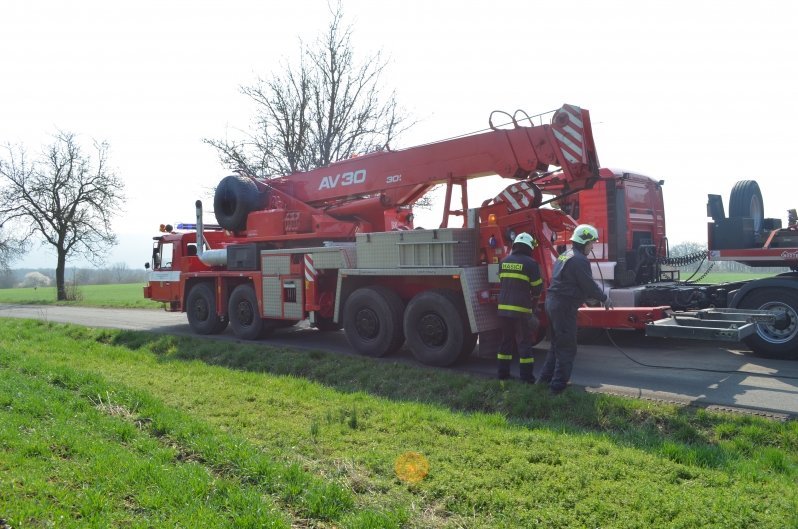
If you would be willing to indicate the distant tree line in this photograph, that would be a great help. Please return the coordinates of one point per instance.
(28, 278)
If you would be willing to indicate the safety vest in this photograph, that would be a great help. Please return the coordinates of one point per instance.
(520, 284)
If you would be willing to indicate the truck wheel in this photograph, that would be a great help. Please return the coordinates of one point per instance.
(774, 341)
(244, 316)
(373, 321)
(746, 201)
(201, 310)
(436, 326)
(235, 197)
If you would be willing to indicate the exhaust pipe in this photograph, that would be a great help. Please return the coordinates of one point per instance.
(208, 257)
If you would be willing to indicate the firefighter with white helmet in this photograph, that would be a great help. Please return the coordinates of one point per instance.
(571, 285)
(521, 285)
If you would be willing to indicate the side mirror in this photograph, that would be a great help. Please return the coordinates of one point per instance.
(146, 266)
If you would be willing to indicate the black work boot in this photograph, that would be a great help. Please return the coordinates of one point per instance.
(504, 362)
(527, 369)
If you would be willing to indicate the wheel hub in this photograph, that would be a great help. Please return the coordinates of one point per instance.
(432, 330)
(245, 313)
(201, 310)
(367, 323)
(782, 332)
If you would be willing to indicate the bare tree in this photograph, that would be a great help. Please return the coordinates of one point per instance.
(66, 198)
(10, 249)
(120, 271)
(325, 108)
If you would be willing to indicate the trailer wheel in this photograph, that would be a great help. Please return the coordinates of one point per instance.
(436, 326)
(746, 201)
(373, 321)
(244, 316)
(201, 310)
(235, 197)
(780, 340)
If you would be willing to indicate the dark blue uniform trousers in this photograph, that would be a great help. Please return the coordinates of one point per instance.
(560, 358)
(517, 340)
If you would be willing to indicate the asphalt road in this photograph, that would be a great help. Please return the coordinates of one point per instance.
(709, 374)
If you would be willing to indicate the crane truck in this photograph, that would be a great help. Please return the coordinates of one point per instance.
(337, 245)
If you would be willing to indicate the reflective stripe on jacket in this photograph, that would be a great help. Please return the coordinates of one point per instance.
(521, 284)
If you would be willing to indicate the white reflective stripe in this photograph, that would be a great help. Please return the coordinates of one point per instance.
(529, 193)
(164, 276)
(518, 196)
(568, 156)
(511, 199)
(577, 134)
(562, 138)
(575, 115)
(310, 270)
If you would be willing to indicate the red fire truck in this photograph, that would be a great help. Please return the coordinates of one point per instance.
(337, 246)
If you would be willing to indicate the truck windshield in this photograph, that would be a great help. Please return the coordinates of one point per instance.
(164, 260)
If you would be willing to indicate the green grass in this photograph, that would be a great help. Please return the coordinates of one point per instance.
(171, 430)
(117, 296)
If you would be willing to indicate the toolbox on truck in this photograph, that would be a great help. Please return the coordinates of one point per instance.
(444, 247)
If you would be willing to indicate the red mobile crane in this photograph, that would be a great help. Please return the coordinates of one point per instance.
(336, 245)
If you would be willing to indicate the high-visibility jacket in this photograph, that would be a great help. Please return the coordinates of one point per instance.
(521, 285)
(572, 279)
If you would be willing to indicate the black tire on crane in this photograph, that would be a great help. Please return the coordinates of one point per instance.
(235, 197)
(746, 201)
(373, 321)
(437, 328)
(779, 340)
(245, 319)
(201, 310)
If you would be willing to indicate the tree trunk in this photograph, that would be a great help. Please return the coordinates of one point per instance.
(59, 276)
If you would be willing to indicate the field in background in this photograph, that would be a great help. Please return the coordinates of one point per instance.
(130, 295)
(107, 428)
(728, 277)
(114, 295)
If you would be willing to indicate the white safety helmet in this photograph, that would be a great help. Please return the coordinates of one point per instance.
(585, 233)
(527, 239)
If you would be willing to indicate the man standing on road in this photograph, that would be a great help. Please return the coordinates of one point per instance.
(571, 284)
(520, 289)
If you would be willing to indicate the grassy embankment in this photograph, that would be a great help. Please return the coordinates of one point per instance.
(106, 428)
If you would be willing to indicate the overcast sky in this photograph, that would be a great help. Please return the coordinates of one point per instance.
(700, 94)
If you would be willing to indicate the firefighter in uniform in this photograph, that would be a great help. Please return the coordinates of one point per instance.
(571, 284)
(520, 289)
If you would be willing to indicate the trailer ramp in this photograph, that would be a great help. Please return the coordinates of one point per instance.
(729, 325)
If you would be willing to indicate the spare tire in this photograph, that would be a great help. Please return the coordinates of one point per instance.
(746, 201)
(235, 197)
